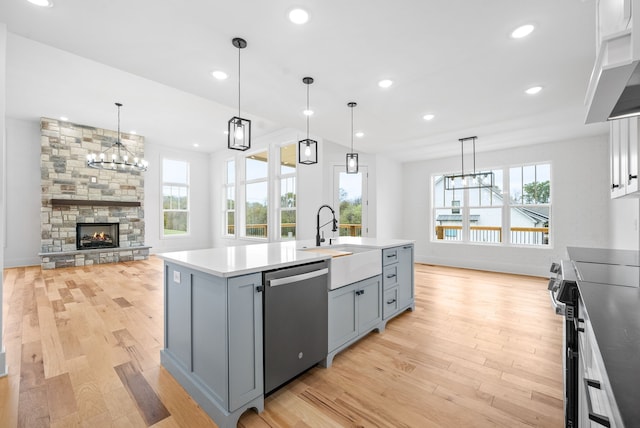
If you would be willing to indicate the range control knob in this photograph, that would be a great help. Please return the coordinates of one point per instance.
(300, 355)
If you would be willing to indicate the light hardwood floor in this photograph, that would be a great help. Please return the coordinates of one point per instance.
(481, 349)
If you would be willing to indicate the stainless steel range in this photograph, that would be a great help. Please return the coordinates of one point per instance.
(563, 290)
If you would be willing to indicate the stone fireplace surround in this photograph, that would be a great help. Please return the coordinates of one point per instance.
(74, 193)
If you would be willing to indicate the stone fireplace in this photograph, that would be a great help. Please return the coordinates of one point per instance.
(74, 194)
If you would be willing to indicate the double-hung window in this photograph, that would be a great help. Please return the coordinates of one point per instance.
(288, 191)
(230, 199)
(530, 203)
(256, 195)
(175, 197)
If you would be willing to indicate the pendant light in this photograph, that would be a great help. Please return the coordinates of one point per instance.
(117, 157)
(352, 158)
(472, 180)
(238, 128)
(307, 148)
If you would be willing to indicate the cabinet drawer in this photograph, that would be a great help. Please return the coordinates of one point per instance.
(390, 303)
(390, 276)
(389, 256)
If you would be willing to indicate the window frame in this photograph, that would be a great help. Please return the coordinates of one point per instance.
(278, 194)
(187, 186)
(225, 193)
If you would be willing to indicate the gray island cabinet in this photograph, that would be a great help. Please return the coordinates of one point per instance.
(213, 340)
(214, 315)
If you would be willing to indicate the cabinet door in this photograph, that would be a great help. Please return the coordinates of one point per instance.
(177, 320)
(405, 275)
(632, 156)
(616, 128)
(343, 325)
(369, 307)
(209, 327)
(245, 339)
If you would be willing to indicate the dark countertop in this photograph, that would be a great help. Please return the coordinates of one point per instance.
(604, 256)
(614, 312)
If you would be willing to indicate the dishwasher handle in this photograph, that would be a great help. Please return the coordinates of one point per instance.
(296, 278)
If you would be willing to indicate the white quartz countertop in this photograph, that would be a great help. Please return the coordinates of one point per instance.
(246, 259)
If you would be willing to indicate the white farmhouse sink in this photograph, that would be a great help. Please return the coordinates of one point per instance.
(362, 263)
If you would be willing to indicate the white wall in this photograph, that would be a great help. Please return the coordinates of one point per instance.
(23, 193)
(199, 235)
(3, 175)
(389, 206)
(580, 207)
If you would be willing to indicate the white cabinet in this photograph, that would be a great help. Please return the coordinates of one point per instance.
(354, 310)
(596, 404)
(623, 156)
(617, 56)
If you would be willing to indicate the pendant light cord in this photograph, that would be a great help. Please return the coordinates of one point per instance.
(239, 49)
(308, 113)
(352, 129)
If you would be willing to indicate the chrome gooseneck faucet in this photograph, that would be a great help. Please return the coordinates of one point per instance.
(334, 221)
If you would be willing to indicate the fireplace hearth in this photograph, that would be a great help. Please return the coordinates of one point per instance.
(97, 235)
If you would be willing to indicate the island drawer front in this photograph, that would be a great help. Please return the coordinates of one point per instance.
(390, 276)
(389, 256)
(390, 303)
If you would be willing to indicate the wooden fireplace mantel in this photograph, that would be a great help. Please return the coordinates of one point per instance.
(95, 203)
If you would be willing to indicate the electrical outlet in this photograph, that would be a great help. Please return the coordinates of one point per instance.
(176, 277)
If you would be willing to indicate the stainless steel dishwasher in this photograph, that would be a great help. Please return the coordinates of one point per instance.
(295, 321)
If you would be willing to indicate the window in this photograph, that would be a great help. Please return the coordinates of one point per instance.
(256, 195)
(530, 198)
(288, 191)
(230, 199)
(351, 198)
(175, 197)
(487, 215)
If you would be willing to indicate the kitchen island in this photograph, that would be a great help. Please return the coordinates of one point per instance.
(214, 314)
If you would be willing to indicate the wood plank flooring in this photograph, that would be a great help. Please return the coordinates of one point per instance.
(480, 350)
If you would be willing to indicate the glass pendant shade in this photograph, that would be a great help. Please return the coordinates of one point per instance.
(307, 151)
(307, 148)
(352, 163)
(239, 128)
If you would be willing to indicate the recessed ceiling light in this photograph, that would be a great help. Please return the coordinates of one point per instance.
(41, 3)
(220, 75)
(307, 112)
(522, 31)
(359, 134)
(428, 116)
(196, 145)
(385, 83)
(299, 16)
(64, 118)
(533, 90)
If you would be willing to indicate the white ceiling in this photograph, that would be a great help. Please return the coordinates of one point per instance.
(452, 58)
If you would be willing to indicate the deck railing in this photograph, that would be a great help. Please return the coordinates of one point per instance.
(260, 230)
(493, 234)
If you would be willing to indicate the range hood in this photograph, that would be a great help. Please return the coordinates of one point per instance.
(614, 87)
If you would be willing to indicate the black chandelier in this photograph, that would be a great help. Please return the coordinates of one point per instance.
(238, 128)
(470, 180)
(117, 157)
(307, 148)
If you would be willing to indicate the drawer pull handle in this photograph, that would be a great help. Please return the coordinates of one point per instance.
(391, 301)
(614, 186)
(632, 177)
(599, 419)
(391, 255)
(359, 292)
(259, 288)
(393, 275)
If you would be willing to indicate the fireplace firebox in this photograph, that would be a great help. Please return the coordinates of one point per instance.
(97, 235)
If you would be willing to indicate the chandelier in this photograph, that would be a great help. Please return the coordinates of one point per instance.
(117, 157)
(469, 180)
